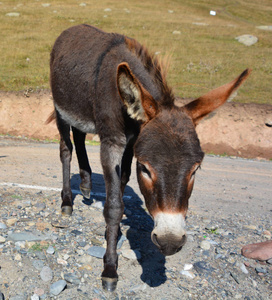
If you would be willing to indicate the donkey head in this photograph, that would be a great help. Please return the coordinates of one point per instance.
(168, 153)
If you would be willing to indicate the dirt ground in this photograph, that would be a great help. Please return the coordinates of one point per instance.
(234, 129)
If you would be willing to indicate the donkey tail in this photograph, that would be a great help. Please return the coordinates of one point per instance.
(51, 118)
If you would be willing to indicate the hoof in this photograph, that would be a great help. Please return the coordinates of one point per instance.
(85, 192)
(109, 284)
(66, 210)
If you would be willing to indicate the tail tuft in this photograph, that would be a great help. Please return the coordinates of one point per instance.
(51, 118)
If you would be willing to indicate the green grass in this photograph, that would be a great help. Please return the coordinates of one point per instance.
(202, 57)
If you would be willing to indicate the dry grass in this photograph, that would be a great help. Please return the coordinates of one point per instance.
(203, 57)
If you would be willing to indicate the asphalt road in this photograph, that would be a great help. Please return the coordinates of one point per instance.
(223, 185)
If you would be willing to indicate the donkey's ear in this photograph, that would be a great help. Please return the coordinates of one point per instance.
(140, 104)
(202, 106)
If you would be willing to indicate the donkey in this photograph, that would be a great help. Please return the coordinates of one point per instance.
(110, 84)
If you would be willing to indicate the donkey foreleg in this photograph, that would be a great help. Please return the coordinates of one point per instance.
(111, 157)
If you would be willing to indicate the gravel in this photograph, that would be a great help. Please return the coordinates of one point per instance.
(65, 262)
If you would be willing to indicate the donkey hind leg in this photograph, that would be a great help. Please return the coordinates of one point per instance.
(111, 157)
(66, 149)
(84, 167)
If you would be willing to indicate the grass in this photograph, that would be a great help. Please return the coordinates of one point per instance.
(202, 57)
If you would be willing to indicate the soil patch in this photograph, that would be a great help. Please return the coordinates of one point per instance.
(234, 129)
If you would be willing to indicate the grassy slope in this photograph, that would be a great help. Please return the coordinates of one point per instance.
(202, 57)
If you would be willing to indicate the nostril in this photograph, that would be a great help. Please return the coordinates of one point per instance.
(183, 240)
(154, 239)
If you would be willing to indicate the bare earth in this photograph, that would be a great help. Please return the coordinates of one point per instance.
(234, 129)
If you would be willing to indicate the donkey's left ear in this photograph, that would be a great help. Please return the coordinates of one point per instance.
(140, 104)
(202, 106)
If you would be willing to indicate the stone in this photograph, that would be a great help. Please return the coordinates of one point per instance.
(57, 287)
(121, 241)
(50, 250)
(27, 236)
(18, 297)
(72, 278)
(269, 261)
(205, 245)
(46, 4)
(2, 240)
(46, 274)
(17, 257)
(107, 9)
(96, 251)
(243, 268)
(13, 14)
(2, 296)
(187, 267)
(260, 251)
(265, 27)
(35, 297)
(38, 264)
(261, 270)
(3, 226)
(203, 268)
(247, 39)
(176, 32)
(188, 274)
(11, 222)
(131, 254)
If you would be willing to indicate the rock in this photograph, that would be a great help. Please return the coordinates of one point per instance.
(11, 222)
(46, 274)
(98, 204)
(269, 261)
(3, 226)
(265, 27)
(2, 296)
(247, 39)
(176, 32)
(2, 240)
(188, 274)
(35, 297)
(131, 254)
(121, 241)
(40, 206)
(27, 236)
(50, 250)
(18, 297)
(107, 9)
(13, 14)
(187, 267)
(72, 278)
(46, 4)
(38, 264)
(205, 245)
(202, 267)
(243, 268)
(96, 251)
(260, 270)
(17, 257)
(57, 287)
(260, 251)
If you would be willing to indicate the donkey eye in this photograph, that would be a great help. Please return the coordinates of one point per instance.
(198, 167)
(144, 170)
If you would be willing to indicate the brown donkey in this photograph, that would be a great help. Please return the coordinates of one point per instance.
(109, 84)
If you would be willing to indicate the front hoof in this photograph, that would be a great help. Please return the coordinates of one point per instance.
(85, 192)
(109, 284)
(66, 210)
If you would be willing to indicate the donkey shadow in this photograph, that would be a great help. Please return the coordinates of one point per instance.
(139, 232)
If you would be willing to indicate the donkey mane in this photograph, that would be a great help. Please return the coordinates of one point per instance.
(156, 66)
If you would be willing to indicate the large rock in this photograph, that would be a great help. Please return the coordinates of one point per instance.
(247, 39)
(259, 251)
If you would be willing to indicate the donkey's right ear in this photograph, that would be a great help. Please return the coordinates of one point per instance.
(140, 104)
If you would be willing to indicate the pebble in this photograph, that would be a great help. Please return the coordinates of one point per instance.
(3, 226)
(265, 27)
(35, 297)
(188, 267)
(13, 14)
(96, 251)
(2, 296)
(203, 267)
(18, 257)
(46, 4)
(243, 268)
(46, 274)
(38, 264)
(247, 39)
(11, 222)
(188, 274)
(18, 297)
(131, 254)
(27, 236)
(121, 241)
(205, 245)
(176, 32)
(50, 250)
(2, 239)
(260, 270)
(57, 287)
(72, 278)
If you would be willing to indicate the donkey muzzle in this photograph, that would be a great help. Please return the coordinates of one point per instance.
(169, 234)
